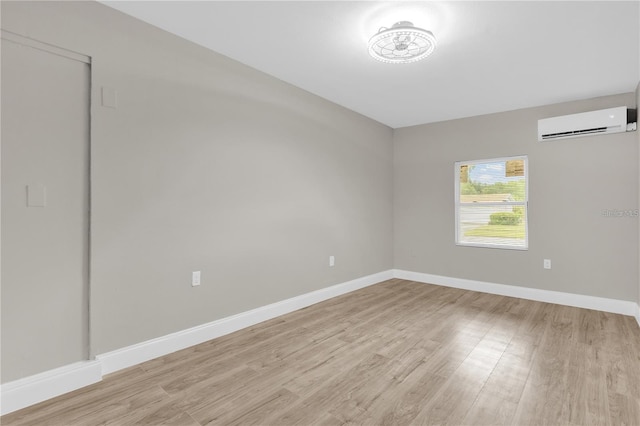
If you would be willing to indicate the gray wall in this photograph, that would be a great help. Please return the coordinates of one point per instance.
(209, 165)
(570, 183)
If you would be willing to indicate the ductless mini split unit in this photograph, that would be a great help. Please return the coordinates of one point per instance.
(611, 120)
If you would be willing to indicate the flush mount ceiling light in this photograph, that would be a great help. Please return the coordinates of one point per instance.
(402, 43)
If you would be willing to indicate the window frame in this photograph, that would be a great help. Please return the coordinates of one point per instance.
(524, 203)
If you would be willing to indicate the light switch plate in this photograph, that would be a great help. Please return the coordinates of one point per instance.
(195, 278)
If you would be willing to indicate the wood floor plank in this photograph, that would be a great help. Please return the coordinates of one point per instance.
(380, 390)
(213, 391)
(396, 353)
(544, 394)
(247, 411)
(455, 399)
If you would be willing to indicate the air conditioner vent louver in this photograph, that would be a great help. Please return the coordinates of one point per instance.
(575, 133)
(612, 120)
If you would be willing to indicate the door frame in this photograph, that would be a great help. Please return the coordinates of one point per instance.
(69, 54)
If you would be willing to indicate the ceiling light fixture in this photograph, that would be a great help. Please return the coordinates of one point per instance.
(402, 43)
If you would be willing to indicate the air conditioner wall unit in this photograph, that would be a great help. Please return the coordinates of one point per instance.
(611, 120)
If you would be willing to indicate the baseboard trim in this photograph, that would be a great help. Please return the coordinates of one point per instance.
(135, 354)
(40, 387)
(622, 307)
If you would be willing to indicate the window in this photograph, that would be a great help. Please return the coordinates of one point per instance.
(491, 203)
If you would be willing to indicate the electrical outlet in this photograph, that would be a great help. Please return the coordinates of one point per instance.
(195, 278)
(332, 260)
(547, 264)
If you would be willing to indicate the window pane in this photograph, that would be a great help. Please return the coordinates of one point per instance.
(492, 203)
(492, 225)
(492, 182)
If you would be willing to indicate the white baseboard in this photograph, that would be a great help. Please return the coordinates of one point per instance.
(40, 387)
(622, 307)
(135, 354)
(31, 390)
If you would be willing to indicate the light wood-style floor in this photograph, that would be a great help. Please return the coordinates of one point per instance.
(396, 353)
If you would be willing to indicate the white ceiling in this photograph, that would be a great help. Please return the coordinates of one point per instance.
(491, 56)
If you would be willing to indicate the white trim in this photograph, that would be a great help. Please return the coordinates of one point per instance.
(46, 47)
(40, 387)
(615, 306)
(31, 390)
(135, 354)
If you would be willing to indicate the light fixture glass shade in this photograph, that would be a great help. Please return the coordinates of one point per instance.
(402, 43)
